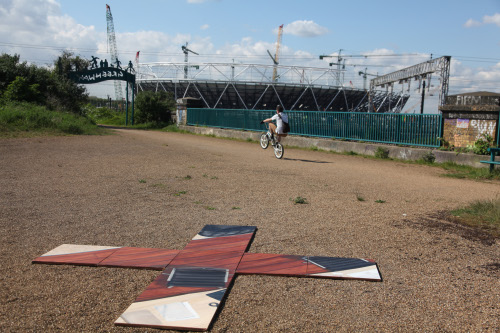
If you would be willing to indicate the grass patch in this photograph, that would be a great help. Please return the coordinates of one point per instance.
(178, 194)
(299, 200)
(484, 215)
(380, 201)
(465, 171)
(27, 120)
(142, 181)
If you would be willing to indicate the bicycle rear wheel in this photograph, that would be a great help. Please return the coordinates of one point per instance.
(264, 141)
(279, 151)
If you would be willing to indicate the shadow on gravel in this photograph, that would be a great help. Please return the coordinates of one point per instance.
(308, 161)
(444, 221)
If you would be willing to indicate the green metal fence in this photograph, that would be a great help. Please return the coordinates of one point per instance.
(394, 128)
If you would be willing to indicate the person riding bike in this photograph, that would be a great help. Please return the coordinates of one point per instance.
(277, 130)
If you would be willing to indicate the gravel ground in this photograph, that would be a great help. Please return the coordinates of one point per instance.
(91, 190)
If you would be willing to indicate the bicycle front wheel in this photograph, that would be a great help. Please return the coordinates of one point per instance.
(279, 150)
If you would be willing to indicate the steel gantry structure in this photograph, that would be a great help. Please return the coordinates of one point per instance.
(419, 72)
(253, 86)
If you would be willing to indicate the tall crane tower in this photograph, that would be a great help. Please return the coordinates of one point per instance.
(113, 50)
(277, 54)
(186, 52)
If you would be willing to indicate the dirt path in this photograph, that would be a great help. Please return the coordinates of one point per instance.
(88, 190)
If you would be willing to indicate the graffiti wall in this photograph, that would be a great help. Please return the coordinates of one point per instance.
(465, 132)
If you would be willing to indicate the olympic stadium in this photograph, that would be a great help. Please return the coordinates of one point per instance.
(262, 87)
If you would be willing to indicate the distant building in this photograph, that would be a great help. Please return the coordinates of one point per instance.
(470, 115)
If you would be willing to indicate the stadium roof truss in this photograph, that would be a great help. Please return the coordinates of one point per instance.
(251, 86)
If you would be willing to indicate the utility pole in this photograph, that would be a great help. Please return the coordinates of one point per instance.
(423, 96)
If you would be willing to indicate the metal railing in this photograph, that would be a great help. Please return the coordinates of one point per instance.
(406, 129)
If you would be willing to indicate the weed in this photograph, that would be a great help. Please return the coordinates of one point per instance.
(214, 177)
(142, 181)
(198, 202)
(158, 185)
(314, 148)
(353, 153)
(482, 144)
(188, 177)
(382, 153)
(235, 207)
(380, 201)
(178, 194)
(481, 214)
(429, 157)
(209, 208)
(360, 198)
(299, 200)
(205, 175)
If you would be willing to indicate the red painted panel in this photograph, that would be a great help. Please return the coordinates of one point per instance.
(272, 264)
(139, 257)
(228, 243)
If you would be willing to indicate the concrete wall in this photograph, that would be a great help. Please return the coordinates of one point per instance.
(403, 153)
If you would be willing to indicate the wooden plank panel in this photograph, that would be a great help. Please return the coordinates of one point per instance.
(272, 264)
(140, 257)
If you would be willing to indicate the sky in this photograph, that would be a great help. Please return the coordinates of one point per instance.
(391, 34)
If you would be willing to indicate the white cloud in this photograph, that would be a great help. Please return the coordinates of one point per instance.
(495, 19)
(304, 29)
(204, 27)
(41, 23)
(471, 23)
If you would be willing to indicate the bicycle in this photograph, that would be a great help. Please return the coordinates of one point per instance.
(267, 137)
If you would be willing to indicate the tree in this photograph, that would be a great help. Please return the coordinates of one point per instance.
(154, 107)
(21, 90)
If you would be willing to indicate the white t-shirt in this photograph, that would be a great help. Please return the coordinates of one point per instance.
(279, 121)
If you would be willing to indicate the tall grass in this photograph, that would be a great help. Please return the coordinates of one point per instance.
(25, 119)
(483, 214)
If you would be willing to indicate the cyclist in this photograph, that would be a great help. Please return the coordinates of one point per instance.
(277, 129)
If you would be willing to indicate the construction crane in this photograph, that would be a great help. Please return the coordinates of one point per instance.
(277, 54)
(186, 52)
(365, 75)
(114, 51)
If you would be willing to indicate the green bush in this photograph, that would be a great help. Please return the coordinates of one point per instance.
(50, 87)
(429, 157)
(482, 144)
(154, 107)
(382, 152)
(26, 117)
